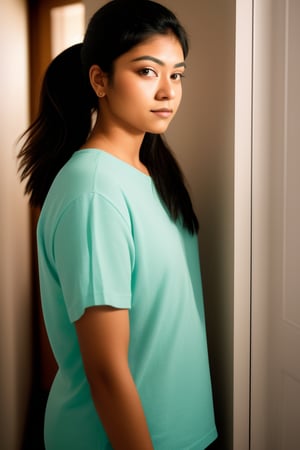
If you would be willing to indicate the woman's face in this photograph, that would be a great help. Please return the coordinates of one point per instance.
(146, 88)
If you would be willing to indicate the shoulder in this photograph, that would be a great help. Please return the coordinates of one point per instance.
(86, 177)
(87, 172)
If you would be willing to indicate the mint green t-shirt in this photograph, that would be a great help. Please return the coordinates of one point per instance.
(104, 238)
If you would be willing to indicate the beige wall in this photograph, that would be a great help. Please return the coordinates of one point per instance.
(202, 136)
(15, 307)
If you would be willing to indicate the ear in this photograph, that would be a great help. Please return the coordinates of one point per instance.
(98, 80)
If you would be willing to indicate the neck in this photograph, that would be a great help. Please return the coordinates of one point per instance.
(118, 142)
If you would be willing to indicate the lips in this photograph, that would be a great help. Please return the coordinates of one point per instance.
(162, 110)
(164, 113)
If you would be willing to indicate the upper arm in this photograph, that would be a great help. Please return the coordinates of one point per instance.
(93, 253)
(103, 334)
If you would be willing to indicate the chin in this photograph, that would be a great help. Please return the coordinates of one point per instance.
(158, 130)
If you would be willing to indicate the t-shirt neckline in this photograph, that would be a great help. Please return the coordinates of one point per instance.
(117, 160)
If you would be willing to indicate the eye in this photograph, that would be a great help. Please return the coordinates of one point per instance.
(177, 76)
(147, 72)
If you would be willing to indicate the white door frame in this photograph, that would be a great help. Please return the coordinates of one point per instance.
(243, 224)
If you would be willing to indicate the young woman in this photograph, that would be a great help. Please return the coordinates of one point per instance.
(117, 241)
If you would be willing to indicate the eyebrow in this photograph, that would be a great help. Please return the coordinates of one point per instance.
(157, 61)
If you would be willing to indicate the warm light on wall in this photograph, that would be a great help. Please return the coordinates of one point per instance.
(67, 27)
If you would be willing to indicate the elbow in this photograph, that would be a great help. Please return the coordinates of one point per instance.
(107, 379)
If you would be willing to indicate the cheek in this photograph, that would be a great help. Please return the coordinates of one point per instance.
(178, 97)
(133, 97)
(120, 87)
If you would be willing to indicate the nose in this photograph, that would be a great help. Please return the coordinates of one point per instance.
(166, 90)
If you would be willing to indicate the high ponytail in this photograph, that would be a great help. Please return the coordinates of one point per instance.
(61, 127)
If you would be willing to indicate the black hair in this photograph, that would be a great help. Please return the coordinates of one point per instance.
(67, 102)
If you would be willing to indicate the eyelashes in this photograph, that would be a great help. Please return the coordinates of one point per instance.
(178, 76)
(148, 72)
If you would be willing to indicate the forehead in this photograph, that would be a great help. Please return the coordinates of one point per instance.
(166, 48)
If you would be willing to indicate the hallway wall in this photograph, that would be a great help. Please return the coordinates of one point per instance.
(202, 136)
(15, 276)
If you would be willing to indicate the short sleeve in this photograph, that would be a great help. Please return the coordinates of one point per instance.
(94, 255)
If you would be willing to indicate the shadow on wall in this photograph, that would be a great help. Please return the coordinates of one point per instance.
(202, 136)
